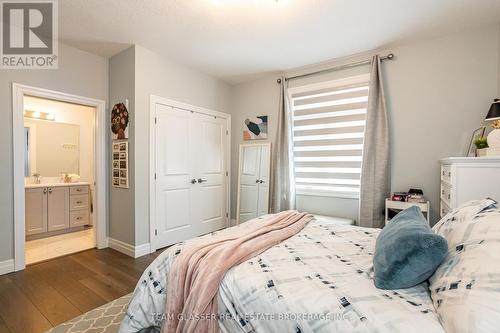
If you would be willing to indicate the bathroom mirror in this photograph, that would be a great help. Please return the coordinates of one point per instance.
(51, 148)
(253, 181)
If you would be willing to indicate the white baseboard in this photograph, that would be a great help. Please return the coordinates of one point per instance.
(142, 250)
(6, 266)
(130, 250)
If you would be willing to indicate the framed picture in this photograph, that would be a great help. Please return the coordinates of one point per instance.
(477, 134)
(119, 121)
(120, 164)
(255, 128)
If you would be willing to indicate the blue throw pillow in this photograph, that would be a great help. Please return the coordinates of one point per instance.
(407, 251)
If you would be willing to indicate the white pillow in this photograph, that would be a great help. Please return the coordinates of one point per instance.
(465, 289)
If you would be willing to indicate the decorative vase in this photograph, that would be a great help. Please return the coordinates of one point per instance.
(494, 139)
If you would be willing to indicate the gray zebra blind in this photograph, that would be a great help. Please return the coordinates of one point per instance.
(328, 124)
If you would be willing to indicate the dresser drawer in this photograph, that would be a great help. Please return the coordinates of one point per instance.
(80, 189)
(445, 209)
(77, 202)
(446, 173)
(446, 193)
(78, 218)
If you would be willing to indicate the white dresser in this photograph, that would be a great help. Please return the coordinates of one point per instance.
(468, 178)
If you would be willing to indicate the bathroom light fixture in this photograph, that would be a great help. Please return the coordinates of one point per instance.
(39, 115)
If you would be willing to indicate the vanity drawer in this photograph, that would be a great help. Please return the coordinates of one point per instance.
(446, 193)
(78, 218)
(81, 189)
(80, 201)
(446, 173)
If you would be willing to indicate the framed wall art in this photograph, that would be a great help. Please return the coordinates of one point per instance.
(120, 164)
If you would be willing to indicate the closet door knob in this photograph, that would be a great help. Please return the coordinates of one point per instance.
(261, 181)
(193, 181)
(201, 180)
(257, 181)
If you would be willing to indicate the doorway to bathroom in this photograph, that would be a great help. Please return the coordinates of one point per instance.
(59, 174)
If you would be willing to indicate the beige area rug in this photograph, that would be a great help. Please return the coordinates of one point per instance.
(104, 319)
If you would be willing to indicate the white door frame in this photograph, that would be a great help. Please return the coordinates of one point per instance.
(100, 175)
(153, 100)
(240, 165)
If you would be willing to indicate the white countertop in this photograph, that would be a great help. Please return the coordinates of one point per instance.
(55, 184)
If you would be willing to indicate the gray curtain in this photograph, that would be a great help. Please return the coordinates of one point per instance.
(375, 171)
(283, 182)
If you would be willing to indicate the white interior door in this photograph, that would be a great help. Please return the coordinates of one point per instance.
(191, 179)
(264, 170)
(249, 182)
(174, 189)
(209, 169)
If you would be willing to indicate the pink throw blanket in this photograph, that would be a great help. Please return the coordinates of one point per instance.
(195, 275)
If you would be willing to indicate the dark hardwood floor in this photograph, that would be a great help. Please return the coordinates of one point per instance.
(49, 293)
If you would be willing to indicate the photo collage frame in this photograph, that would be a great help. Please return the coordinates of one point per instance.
(120, 164)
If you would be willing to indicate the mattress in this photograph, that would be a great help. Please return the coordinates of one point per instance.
(320, 280)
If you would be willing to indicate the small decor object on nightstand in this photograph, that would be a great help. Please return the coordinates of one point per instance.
(494, 136)
(477, 134)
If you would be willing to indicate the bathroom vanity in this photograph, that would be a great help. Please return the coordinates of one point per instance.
(54, 208)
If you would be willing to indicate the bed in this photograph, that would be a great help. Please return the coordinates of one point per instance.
(320, 280)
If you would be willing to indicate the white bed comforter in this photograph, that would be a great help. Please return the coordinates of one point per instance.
(319, 280)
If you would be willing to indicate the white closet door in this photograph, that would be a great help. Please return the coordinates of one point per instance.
(249, 183)
(175, 195)
(264, 168)
(191, 181)
(209, 168)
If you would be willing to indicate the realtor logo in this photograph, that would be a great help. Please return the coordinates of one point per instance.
(29, 34)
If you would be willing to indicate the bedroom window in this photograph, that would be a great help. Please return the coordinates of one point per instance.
(328, 124)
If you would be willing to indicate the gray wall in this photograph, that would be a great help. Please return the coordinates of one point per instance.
(79, 73)
(137, 73)
(438, 92)
(250, 99)
(121, 201)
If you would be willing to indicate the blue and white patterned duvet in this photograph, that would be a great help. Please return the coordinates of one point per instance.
(320, 280)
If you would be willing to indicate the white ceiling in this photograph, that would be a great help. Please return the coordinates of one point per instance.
(237, 39)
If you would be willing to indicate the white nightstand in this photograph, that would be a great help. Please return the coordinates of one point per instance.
(400, 205)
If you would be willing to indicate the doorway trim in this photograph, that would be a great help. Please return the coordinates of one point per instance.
(100, 175)
(153, 100)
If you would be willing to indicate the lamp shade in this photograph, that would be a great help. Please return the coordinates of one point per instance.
(494, 112)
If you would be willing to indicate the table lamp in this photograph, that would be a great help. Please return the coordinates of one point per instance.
(494, 115)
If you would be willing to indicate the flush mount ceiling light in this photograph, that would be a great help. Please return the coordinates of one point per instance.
(256, 2)
(39, 115)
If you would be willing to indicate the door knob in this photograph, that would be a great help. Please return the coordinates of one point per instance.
(257, 181)
(44, 191)
(193, 181)
(261, 181)
(201, 180)
(50, 190)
